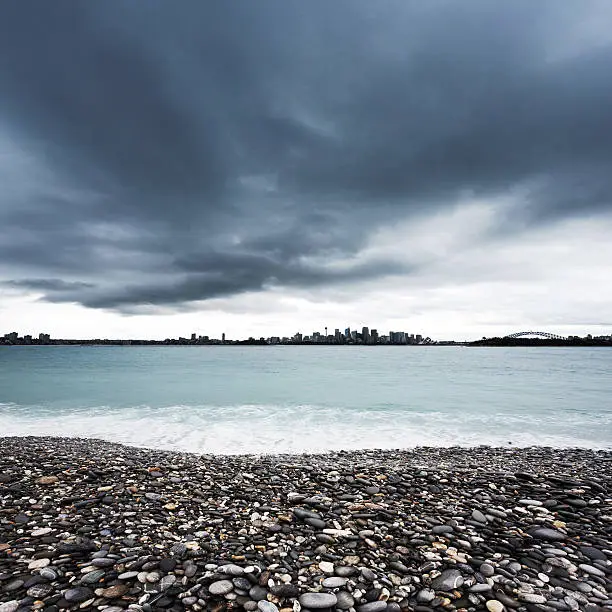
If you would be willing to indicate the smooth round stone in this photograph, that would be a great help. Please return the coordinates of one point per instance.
(266, 606)
(115, 591)
(345, 600)
(425, 595)
(316, 601)
(221, 587)
(190, 569)
(440, 529)
(285, 590)
(41, 531)
(152, 577)
(78, 594)
(533, 598)
(127, 575)
(326, 567)
(345, 571)
(480, 588)
(448, 580)
(13, 585)
(258, 593)
(478, 516)
(373, 606)
(166, 582)
(40, 591)
(9, 606)
(589, 569)
(368, 574)
(93, 577)
(38, 563)
(545, 533)
(334, 582)
(232, 570)
(249, 606)
(48, 573)
(593, 553)
(495, 606)
(487, 570)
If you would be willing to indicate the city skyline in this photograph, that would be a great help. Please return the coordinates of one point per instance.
(366, 337)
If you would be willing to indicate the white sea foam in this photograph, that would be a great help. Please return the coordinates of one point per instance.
(257, 429)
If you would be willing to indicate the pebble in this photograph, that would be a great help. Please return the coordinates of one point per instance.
(137, 530)
(344, 600)
(477, 515)
(41, 531)
(316, 601)
(334, 582)
(78, 594)
(589, 569)
(448, 580)
(326, 567)
(221, 587)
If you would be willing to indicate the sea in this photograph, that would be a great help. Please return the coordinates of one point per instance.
(293, 399)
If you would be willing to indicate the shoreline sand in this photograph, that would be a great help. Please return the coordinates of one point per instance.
(87, 524)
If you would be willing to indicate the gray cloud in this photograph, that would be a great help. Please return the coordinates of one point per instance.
(219, 149)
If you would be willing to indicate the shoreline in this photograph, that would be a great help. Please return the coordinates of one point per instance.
(378, 453)
(90, 524)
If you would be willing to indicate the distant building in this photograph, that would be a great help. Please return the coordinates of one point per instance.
(374, 336)
(365, 335)
(44, 338)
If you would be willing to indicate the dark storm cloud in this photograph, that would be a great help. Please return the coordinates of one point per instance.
(230, 147)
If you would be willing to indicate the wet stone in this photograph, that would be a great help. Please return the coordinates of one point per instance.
(316, 601)
(448, 580)
(344, 600)
(78, 595)
(334, 582)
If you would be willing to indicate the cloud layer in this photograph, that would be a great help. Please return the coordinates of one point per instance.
(151, 156)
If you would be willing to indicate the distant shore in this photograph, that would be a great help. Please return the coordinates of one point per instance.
(87, 524)
(489, 342)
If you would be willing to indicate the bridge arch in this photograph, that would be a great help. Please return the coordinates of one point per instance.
(540, 334)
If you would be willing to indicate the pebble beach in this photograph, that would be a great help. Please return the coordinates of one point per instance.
(87, 524)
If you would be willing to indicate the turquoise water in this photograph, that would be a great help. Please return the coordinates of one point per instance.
(290, 399)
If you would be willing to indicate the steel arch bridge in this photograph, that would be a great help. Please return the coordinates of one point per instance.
(536, 333)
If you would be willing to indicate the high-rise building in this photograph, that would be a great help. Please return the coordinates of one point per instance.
(365, 335)
(374, 336)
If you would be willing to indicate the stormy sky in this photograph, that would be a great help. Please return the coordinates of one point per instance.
(266, 167)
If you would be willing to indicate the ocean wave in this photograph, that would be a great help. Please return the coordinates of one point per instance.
(260, 428)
